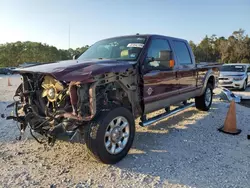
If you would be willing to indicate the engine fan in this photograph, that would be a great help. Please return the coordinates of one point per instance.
(52, 87)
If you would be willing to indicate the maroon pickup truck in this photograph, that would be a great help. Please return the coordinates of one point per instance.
(97, 96)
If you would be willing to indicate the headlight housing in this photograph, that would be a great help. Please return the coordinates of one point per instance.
(238, 78)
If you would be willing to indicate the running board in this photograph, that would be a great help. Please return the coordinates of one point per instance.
(165, 115)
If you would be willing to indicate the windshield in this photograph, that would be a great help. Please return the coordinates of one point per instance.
(233, 68)
(122, 48)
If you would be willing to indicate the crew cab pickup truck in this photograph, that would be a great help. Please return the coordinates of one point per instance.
(97, 96)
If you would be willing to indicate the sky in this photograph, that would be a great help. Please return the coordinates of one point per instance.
(48, 21)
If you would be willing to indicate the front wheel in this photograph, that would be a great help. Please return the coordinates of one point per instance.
(204, 101)
(110, 136)
(244, 87)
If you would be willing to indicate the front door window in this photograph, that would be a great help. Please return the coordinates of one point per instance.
(156, 46)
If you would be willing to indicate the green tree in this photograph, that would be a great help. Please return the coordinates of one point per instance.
(13, 54)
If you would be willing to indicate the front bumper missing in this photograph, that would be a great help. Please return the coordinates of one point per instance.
(43, 126)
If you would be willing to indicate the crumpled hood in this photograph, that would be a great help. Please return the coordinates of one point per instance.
(225, 74)
(78, 70)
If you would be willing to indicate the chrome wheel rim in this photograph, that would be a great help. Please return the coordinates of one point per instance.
(208, 97)
(116, 135)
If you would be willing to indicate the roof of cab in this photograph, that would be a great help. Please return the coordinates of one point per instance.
(148, 36)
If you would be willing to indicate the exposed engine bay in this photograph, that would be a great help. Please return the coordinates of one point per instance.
(51, 107)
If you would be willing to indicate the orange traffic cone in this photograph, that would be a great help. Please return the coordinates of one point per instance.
(9, 84)
(230, 121)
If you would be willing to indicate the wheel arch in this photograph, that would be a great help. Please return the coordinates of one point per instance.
(127, 83)
(209, 78)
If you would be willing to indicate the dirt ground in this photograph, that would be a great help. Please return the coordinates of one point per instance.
(182, 151)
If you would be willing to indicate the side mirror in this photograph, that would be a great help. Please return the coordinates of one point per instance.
(165, 55)
(166, 59)
(164, 62)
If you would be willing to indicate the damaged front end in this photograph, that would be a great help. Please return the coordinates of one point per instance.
(56, 108)
(50, 107)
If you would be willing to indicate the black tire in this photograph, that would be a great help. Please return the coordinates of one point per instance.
(200, 102)
(95, 135)
(244, 86)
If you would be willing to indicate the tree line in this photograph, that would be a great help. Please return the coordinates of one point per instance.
(14, 54)
(234, 49)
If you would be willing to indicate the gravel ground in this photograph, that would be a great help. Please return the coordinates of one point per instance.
(183, 151)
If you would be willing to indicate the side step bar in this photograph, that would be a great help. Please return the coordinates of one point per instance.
(165, 115)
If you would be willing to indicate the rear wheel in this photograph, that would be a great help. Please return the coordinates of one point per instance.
(110, 136)
(204, 101)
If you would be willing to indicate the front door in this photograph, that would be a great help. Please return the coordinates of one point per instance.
(186, 74)
(159, 82)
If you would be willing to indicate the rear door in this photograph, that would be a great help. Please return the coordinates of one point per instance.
(159, 82)
(187, 72)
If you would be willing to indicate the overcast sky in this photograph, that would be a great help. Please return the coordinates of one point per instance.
(48, 21)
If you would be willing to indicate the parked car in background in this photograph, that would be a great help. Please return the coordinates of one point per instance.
(11, 69)
(28, 64)
(7, 70)
(235, 76)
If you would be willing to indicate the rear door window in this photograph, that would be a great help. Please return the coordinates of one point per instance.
(182, 53)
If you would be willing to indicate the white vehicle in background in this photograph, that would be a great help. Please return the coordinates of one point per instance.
(235, 76)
